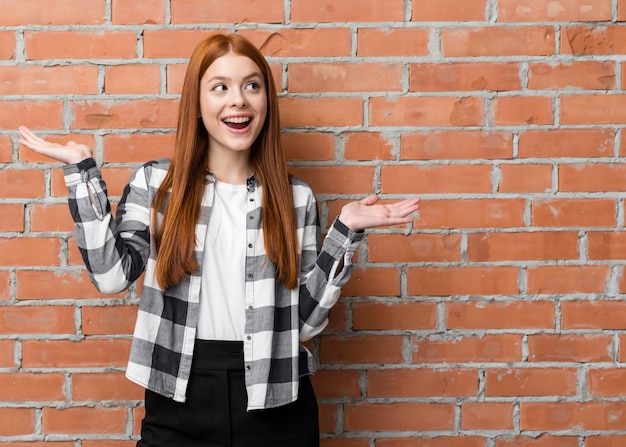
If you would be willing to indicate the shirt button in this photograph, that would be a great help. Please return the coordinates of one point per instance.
(250, 307)
(248, 337)
(250, 245)
(251, 217)
(248, 367)
(250, 276)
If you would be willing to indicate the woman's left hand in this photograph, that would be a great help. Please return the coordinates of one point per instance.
(367, 213)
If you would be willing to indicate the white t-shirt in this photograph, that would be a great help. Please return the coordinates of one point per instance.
(222, 293)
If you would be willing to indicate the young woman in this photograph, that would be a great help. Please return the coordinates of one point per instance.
(235, 274)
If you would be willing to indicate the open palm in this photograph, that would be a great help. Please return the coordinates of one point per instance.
(67, 153)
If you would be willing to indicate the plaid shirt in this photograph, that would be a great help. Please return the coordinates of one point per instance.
(116, 251)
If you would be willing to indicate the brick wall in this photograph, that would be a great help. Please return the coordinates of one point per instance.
(498, 322)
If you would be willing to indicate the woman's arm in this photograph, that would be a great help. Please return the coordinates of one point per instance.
(115, 251)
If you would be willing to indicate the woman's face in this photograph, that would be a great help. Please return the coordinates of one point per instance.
(233, 103)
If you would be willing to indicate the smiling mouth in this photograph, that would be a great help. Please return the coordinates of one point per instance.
(239, 122)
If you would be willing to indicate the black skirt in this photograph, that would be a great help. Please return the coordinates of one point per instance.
(214, 414)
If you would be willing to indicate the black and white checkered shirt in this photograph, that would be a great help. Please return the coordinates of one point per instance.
(117, 250)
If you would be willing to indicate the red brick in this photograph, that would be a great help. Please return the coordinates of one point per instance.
(108, 320)
(12, 217)
(406, 179)
(440, 441)
(498, 41)
(132, 79)
(142, 114)
(421, 382)
(173, 43)
(6, 149)
(426, 111)
(487, 416)
(587, 416)
(137, 148)
(407, 416)
(116, 179)
(593, 109)
(573, 213)
(301, 42)
(394, 316)
(5, 285)
(525, 178)
(137, 12)
(456, 145)
(482, 213)
(521, 110)
(566, 143)
(361, 349)
(380, 42)
(367, 146)
(33, 114)
(37, 320)
(316, 146)
(606, 245)
(347, 11)
(27, 387)
(375, 281)
(606, 382)
(327, 418)
(7, 44)
(449, 11)
(54, 217)
(344, 442)
(605, 441)
(567, 279)
(531, 382)
(597, 177)
(337, 383)
(344, 77)
(420, 247)
(45, 284)
(54, 12)
(486, 349)
(22, 183)
(601, 314)
(546, 10)
(528, 246)
(593, 39)
(84, 420)
(56, 80)
(104, 386)
(234, 11)
(321, 112)
(17, 421)
(30, 251)
(540, 441)
(443, 281)
(569, 348)
(107, 443)
(464, 76)
(89, 353)
(80, 45)
(337, 179)
(589, 75)
(500, 315)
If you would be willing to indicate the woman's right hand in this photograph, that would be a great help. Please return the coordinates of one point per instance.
(70, 153)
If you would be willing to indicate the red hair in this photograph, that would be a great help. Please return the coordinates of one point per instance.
(180, 194)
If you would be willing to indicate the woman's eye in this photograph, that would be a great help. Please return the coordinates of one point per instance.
(253, 86)
(220, 88)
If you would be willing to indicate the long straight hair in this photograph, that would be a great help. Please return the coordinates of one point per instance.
(179, 196)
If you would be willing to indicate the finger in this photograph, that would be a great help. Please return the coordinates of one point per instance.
(369, 200)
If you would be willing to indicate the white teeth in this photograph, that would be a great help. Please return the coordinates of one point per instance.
(237, 119)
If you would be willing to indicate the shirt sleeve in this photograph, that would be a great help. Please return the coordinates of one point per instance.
(325, 269)
(115, 250)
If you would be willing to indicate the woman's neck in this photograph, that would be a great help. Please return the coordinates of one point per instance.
(234, 170)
